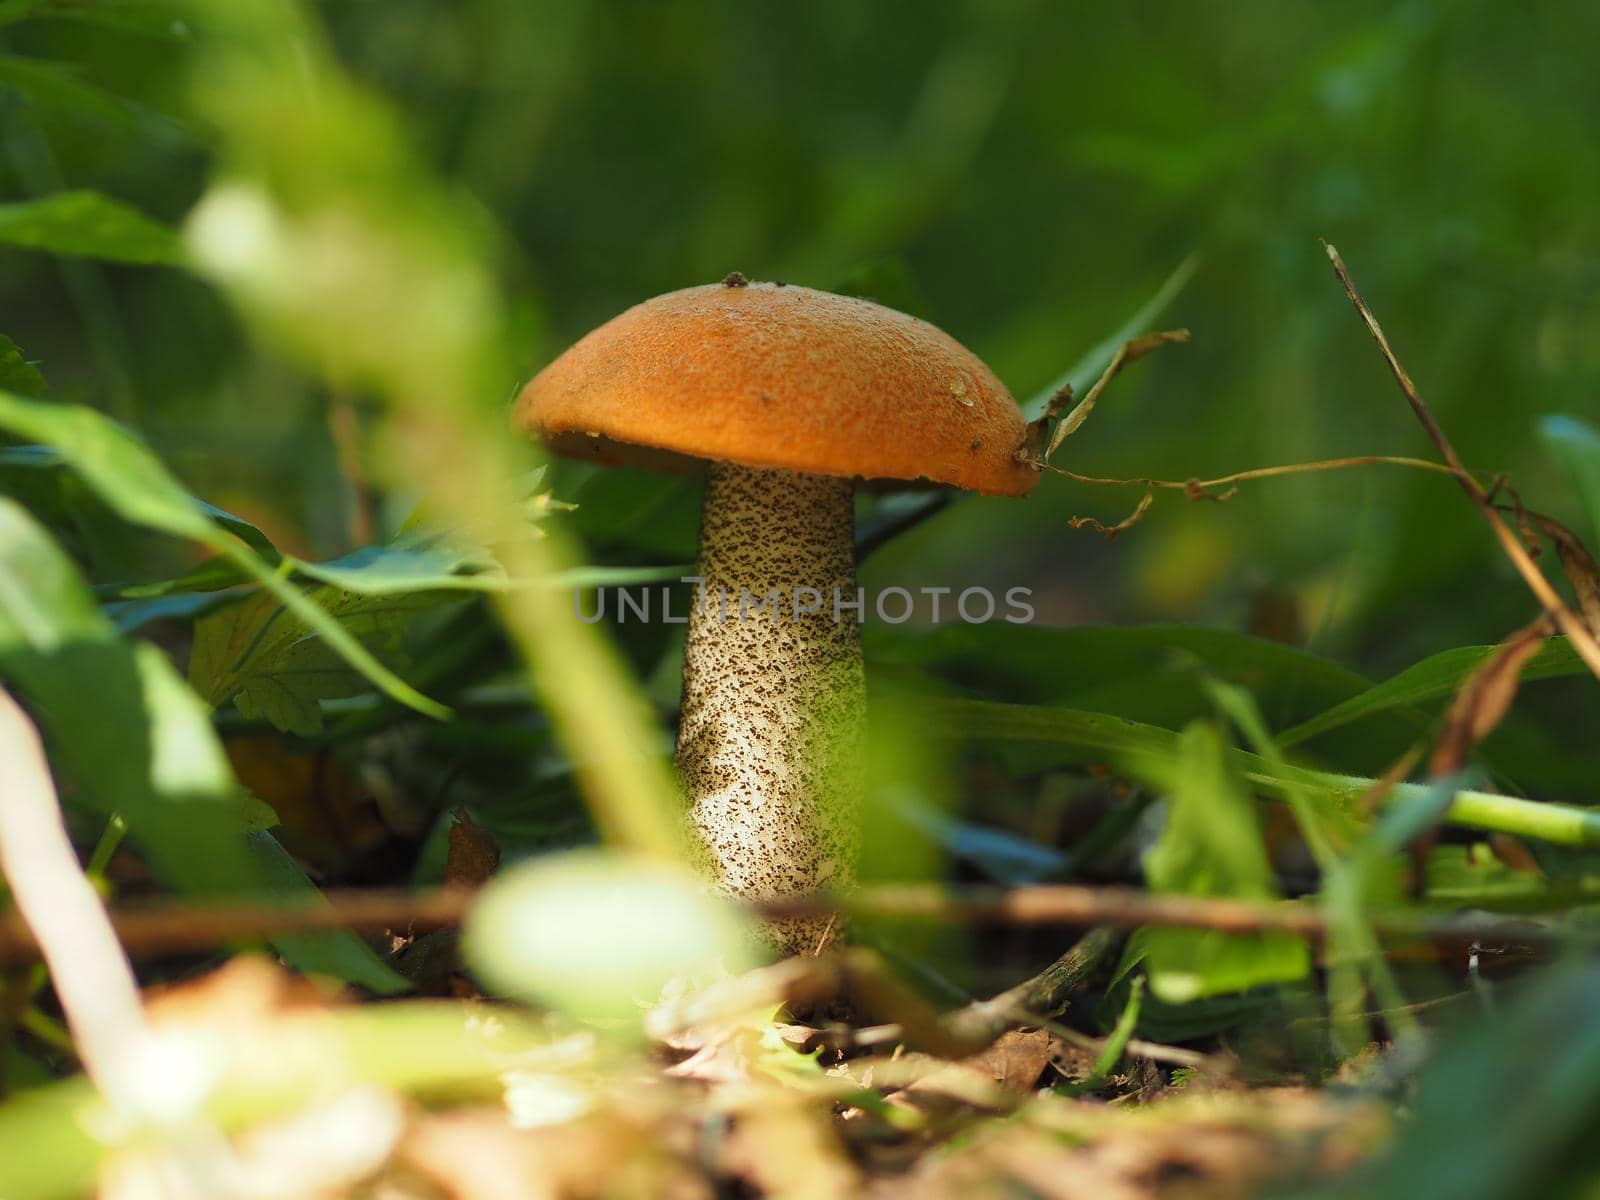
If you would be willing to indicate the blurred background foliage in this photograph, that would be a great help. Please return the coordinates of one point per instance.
(1024, 174)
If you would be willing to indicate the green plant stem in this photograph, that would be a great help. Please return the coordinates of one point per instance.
(110, 838)
(1117, 1044)
(48, 1030)
(1558, 824)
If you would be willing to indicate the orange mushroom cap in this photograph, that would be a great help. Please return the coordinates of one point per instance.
(774, 375)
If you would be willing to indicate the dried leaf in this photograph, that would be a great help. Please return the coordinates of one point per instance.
(1204, 1145)
(1132, 351)
(1017, 1059)
(1513, 853)
(1579, 566)
(785, 1147)
(473, 854)
(1486, 697)
(1112, 531)
(1038, 435)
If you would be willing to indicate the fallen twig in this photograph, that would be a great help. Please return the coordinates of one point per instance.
(183, 929)
(1077, 906)
(187, 929)
(1034, 1000)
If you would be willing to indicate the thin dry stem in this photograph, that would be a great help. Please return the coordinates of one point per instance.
(1201, 489)
(1566, 620)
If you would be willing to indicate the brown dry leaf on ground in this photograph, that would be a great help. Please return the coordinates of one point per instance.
(994, 1080)
(1018, 1058)
(1208, 1146)
(742, 1113)
(784, 1146)
(478, 1154)
(235, 1000)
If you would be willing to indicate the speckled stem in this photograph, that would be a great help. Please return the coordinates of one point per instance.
(769, 745)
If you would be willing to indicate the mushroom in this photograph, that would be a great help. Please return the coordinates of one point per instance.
(786, 398)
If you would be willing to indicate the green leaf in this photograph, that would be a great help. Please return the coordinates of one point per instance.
(178, 606)
(240, 528)
(1471, 876)
(340, 955)
(1575, 444)
(645, 924)
(1147, 673)
(12, 11)
(1431, 679)
(17, 374)
(161, 18)
(1211, 846)
(269, 662)
(134, 740)
(58, 86)
(1121, 1033)
(48, 457)
(89, 225)
(1180, 1022)
(1033, 738)
(411, 563)
(211, 576)
(139, 488)
(1196, 964)
(22, 1071)
(112, 461)
(1506, 1106)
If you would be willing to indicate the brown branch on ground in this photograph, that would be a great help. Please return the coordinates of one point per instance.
(873, 987)
(1566, 620)
(1078, 906)
(1036, 1001)
(186, 929)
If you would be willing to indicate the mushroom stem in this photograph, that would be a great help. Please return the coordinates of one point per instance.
(774, 697)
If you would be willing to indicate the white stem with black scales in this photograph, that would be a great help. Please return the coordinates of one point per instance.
(774, 697)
